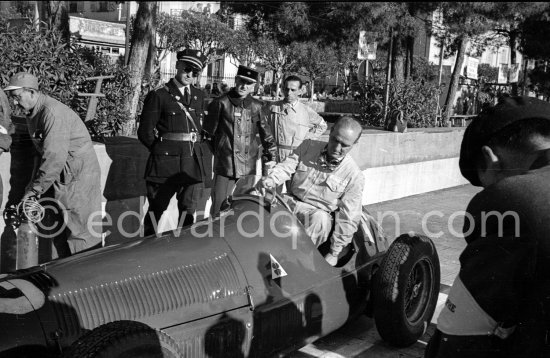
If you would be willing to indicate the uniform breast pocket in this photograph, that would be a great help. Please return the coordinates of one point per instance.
(335, 186)
(176, 121)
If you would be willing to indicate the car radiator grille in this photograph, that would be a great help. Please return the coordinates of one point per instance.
(146, 295)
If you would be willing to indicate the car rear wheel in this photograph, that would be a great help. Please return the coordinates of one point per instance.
(406, 290)
(124, 339)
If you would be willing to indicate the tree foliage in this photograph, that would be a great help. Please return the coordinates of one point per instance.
(62, 70)
(314, 60)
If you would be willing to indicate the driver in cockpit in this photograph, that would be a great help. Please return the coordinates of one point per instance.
(326, 179)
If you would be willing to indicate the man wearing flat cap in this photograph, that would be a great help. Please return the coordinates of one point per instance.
(236, 126)
(67, 171)
(171, 128)
(499, 304)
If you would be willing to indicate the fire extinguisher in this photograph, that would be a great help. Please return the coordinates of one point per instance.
(23, 217)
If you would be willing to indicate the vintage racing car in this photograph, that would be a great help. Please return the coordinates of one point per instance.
(249, 283)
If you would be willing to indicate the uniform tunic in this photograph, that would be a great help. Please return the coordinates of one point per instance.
(292, 124)
(319, 190)
(69, 165)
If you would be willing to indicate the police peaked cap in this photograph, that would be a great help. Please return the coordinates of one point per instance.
(491, 120)
(194, 57)
(247, 73)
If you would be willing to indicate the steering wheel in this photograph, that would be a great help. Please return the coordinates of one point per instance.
(275, 197)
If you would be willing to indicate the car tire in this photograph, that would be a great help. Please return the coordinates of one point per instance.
(124, 339)
(406, 290)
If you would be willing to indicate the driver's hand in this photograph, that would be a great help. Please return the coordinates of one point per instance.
(265, 183)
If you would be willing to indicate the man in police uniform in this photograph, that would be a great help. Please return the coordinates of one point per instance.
(234, 122)
(171, 127)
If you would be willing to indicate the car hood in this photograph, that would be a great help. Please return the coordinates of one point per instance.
(161, 281)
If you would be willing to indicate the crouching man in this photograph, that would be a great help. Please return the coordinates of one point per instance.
(326, 180)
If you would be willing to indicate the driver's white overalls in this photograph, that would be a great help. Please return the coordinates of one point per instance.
(317, 191)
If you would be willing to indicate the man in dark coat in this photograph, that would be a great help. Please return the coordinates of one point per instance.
(233, 123)
(499, 304)
(171, 127)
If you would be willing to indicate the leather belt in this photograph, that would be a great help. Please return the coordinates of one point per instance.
(182, 137)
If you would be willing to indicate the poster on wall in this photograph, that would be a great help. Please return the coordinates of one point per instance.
(367, 46)
(471, 67)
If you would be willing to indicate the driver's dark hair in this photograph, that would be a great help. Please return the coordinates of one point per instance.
(348, 121)
(293, 78)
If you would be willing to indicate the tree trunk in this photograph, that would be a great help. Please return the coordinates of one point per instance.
(139, 50)
(410, 59)
(150, 64)
(453, 85)
(312, 90)
(398, 63)
(512, 43)
(57, 16)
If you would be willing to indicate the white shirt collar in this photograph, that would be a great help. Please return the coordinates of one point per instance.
(181, 87)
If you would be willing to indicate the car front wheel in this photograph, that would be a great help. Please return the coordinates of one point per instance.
(406, 288)
(124, 339)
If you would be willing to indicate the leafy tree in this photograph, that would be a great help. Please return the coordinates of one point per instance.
(509, 17)
(142, 35)
(242, 48)
(464, 20)
(487, 73)
(535, 42)
(275, 57)
(314, 60)
(207, 34)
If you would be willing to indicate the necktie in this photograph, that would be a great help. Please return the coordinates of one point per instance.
(186, 95)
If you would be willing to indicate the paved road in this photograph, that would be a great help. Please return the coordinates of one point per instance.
(438, 215)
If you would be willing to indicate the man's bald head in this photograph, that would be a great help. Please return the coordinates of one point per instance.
(347, 123)
(343, 136)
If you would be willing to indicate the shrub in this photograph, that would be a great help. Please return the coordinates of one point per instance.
(111, 112)
(416, 99)
(62, 70)
(58, 67)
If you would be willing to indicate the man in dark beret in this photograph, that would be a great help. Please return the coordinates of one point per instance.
(236, 126)
(499, 304)
(171, 127)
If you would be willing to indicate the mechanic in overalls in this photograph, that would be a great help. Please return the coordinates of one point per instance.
(292, 121)
(499, 304)
(171, 128)
(325, 179)
(236, 125)
(67, 170)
